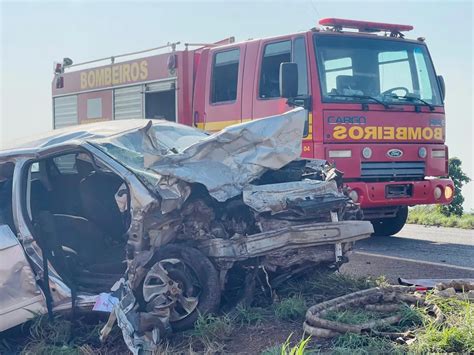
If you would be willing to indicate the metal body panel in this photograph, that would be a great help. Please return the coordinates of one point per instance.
(20, 296)
(274, 198)
(302, 236)
(85, 100)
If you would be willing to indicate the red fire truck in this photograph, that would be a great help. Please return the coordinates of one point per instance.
(373, 100)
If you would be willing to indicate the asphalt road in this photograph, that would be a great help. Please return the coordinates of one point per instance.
(415, 252)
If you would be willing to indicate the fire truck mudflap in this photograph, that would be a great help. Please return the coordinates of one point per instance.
(238, 201)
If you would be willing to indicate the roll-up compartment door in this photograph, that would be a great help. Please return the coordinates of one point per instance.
(161, 86)
(65, 111)
(128, 102)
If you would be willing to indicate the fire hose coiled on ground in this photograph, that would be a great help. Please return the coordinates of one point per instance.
(387, 299)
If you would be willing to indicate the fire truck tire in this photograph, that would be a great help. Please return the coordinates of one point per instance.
(390, 226)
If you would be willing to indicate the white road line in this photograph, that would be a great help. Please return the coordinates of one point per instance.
(415, 261)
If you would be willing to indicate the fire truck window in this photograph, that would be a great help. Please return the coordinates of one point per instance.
(299, 57)
(394, 71)
(273, 55)
(94, 108)
(351, 66)
(423, 75)
(225, 72)
(334, 69)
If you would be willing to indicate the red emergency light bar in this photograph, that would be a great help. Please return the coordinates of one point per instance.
(364, 26)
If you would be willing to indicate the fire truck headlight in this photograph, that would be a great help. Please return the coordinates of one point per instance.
(422, 152)
(367, 153)
(353, 195)
(340, 154)
(448, 192)
(437, 192)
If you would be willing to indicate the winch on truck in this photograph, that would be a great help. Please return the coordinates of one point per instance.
(374, 105)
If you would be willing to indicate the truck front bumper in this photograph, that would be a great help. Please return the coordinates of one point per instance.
(381, 194)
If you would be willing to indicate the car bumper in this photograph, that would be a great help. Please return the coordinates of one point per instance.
(374, 194)
(290, 238)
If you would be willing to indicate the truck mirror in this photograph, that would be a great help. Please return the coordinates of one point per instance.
(288, 80)
(442, 86)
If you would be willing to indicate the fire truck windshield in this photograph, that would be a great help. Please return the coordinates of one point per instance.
(353, 68)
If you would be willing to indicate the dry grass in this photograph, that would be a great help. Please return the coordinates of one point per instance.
(216, 334)
(59, 336)
(430, 216)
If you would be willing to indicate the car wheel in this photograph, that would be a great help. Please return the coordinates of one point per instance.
(390, 226)
(184, 280)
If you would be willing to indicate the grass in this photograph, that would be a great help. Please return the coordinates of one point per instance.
(291, 308)
(248, 316)
(55, 337)
(286, 348)
(211, 328)
(454, 335)
(214, 334)
(411, 317)
(321, 286)
(430, 216)
(364, 344)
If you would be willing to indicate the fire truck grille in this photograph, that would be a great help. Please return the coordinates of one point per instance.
(393, 170)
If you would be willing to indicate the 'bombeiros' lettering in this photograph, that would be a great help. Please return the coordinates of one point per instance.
(114, 75)
(387, 133)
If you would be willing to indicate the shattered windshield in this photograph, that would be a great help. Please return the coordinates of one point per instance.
(176, 138)
(158, 140)
(368, 69)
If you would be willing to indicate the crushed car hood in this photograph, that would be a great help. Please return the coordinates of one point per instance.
(224, 162)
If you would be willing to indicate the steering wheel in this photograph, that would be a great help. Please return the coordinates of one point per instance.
(390, 91)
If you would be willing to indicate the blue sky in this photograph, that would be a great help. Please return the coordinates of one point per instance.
(34, 34)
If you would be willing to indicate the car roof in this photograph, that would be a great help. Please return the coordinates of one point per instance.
(78, 134)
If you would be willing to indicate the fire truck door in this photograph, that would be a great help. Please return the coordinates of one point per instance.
(267, 91)
(223, 97)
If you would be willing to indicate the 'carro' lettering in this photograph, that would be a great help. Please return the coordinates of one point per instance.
(347, 120)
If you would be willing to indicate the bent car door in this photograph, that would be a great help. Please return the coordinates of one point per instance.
(20, 296)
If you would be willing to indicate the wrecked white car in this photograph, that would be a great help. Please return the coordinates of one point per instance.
(163, 218)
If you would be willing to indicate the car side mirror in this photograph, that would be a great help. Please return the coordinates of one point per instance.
(288, 80)
(442, 86)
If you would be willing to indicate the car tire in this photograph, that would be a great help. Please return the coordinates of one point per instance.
(205, 274)
(389, 226)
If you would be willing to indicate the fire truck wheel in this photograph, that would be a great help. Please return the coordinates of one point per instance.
(390, 226)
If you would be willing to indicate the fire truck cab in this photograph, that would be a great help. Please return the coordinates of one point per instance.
(374, 104)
